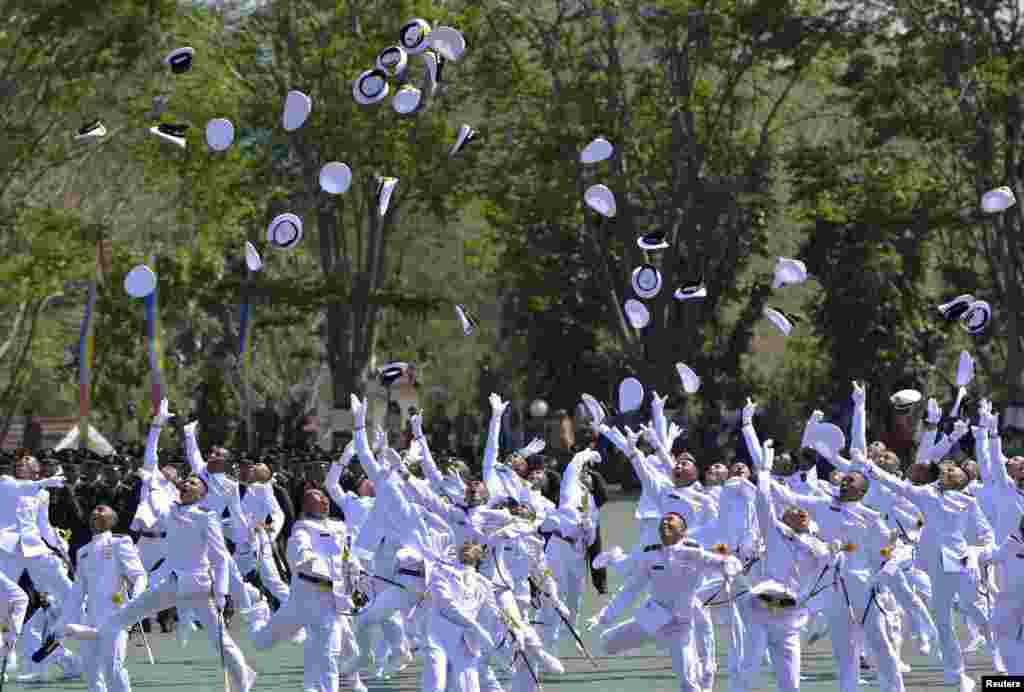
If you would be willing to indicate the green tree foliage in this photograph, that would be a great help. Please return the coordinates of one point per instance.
(699, 99)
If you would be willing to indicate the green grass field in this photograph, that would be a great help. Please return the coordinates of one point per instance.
(197, 668)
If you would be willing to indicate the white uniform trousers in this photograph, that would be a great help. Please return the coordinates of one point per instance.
(912, 604)
(33, 634)
(166, 595)
(1008, 629)
(48, 572)
(704, 641)
(98, 677)
(448, 664)
(569, 569)
(329, 640)
(945, 587)
(849, 640)
(779, 635)
(386, 610)
(677, 636)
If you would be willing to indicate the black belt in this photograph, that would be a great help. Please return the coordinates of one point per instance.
(410, 572)
(323, 581)
(153, 534)
(778, 602)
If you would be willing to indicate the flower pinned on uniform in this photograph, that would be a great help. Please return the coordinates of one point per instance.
(117, 598)
(849, 547)
(886, 552)
(326, 586)
(721, 549)
(920, 521)
(547, 572)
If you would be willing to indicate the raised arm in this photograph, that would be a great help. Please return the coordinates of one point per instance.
(374, 470)
(942, 447)
(430, 470)
(332, 484)
(151, 455)
(859, 426)
(658, 417)
(192, 453)
(750, 435)
(766, 518)
(493, 435)
(930, 432)
(992, 463)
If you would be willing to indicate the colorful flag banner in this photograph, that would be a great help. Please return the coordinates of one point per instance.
(86, 349)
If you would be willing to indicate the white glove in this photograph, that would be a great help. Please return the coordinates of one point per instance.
(658, 402)
(748, 412)
(163, 415)
(221, 601)
(858, 393)
(768, 456)
(674, 431)
(190, 428)
(536, 446)
(934, 412)
(651, 435)
(986, 419)
(631, 439)
(497, 405)
(380, 439)
(732, 567)
(348, 453)
(594, 409)
(358, 411)
(835, 547)
(416, 424)
(593, 622)
(53, 482)
(960, 394)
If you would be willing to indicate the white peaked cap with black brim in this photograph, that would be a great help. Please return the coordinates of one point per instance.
(285, 231)
(371, 87)
(180, 59)
(414, 36)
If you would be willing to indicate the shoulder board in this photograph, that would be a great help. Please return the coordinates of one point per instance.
(651, 548)
(691, 544)
(82, 555)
